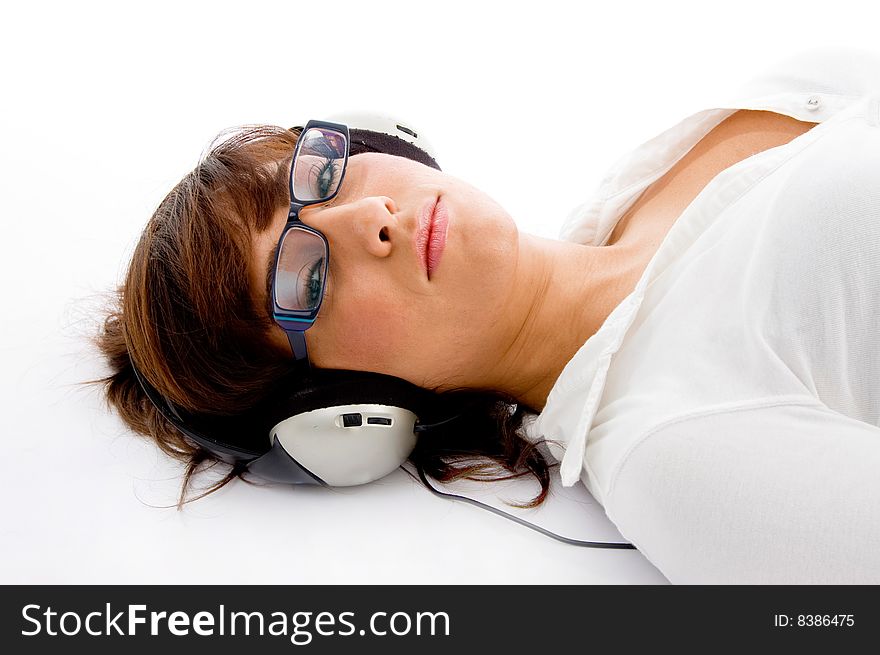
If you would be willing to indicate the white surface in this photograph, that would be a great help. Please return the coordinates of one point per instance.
(106, 106)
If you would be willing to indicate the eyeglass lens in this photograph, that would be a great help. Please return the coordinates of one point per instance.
(318, 167)
(301, 270)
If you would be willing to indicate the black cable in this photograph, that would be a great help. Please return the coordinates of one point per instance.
(574, 542)
(424, 427)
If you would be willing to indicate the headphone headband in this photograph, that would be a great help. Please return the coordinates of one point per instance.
(381, 132)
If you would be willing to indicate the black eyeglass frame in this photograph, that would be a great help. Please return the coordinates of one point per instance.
(296, 322)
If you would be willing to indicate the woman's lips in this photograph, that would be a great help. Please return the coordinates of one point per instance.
(431, 236)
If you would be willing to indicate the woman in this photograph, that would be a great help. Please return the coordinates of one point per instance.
(683, 317)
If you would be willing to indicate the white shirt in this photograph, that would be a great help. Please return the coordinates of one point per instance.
(727, 412)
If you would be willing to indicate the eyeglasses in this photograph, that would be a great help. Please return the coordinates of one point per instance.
(303, 254)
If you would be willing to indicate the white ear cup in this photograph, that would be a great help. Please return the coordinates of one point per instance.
(386, 124)
(347, 456)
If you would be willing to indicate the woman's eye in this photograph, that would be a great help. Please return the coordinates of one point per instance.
(324, 177)
(310, 289)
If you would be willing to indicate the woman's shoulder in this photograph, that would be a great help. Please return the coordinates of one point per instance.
(833, 70)
(788, 86)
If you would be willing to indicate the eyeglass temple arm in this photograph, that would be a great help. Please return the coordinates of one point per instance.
(297, 341)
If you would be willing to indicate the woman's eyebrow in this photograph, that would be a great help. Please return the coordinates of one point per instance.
(270, 270)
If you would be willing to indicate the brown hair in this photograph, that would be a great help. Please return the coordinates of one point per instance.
(187, 315)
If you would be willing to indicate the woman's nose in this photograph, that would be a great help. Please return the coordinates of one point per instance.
(367, 223)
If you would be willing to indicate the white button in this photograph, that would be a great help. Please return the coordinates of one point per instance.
(813, 103)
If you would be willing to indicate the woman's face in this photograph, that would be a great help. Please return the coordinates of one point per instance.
(381, 312)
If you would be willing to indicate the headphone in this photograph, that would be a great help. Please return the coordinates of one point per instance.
(333, 427)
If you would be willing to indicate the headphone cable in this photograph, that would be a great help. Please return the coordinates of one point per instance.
(567, 540)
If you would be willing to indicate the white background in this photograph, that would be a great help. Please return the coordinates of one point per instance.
(105, 107)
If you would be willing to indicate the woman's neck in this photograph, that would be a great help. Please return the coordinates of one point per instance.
(565, 291)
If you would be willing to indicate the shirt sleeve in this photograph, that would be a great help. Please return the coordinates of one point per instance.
(767, 494)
